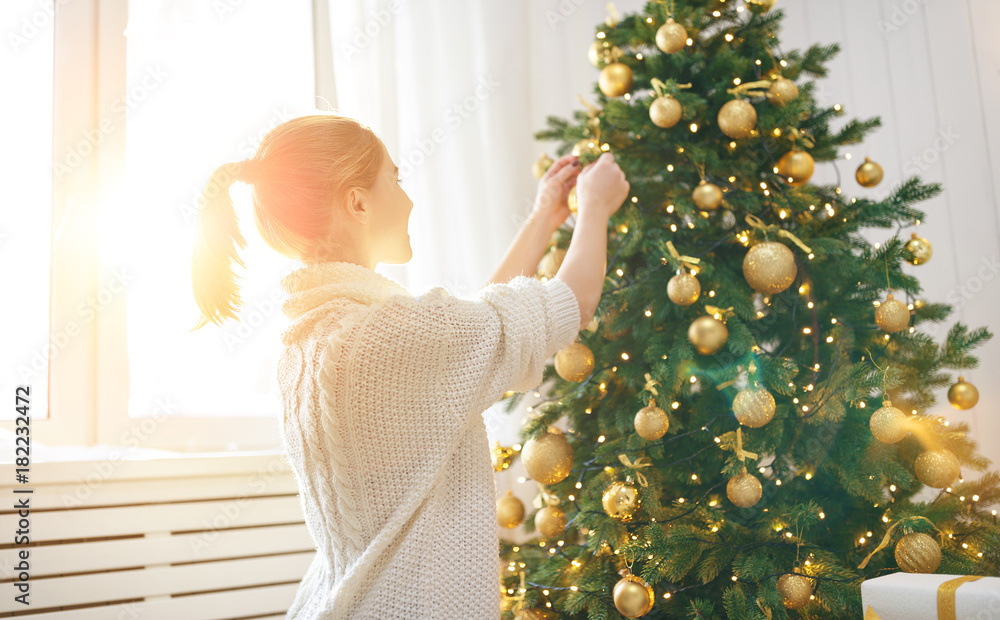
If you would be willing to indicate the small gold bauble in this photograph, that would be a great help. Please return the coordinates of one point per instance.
(888, 423)
(744, 490)
(665, 111)
(796, 167)
(769, 267)
(892, 315)
(918, 553)
(510, 511)
(781, 91)
(963, 395)
(651, 422)
(548, 267)
(548, 459)
(621, 501)
(550, 521)
(760, 6)
(737, 119)
(707, 334)
(754, 407)
(615, 79)
(541, 165)
(633, 597)
(683, 289)
(588, 148)
(707, 196)
(671, 37)
(918, 250)
(937, 468)
(868, 174)
(575, 362)
(795, 590)
(502, 457)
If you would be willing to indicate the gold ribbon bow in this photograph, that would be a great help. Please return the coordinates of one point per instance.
(594, 123)
(945, 598)
(687, 261)
(642, 461)
(742, 454)
(750, 371)
(650, 383)
(719, 313)
(759, 224)
(748, 88)
(888, 534)
(660, 88)
(612, 19)
(800, 136)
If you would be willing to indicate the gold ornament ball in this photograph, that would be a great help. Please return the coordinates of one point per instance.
(918, 250)
(671, 37)
(510, 511)
(651, 422)
(918, 553)
(963, 395)
(795, 590)
(550, 521)
(548, 267)
(937, 468)
(683, 289)
(868, 174)
(754, 407)
(737, 119)
(621, 501)
(548, 459)
(892, 315)
(633, 597)
(888, 423)
(665, 111)
(769, 267)
(707, 334)
(587, 148)
(796, 167)
(781, 91)
(707, 196)
(541, 165)
(615, 79)
(760, 6)
(744, 490)
(575, 362)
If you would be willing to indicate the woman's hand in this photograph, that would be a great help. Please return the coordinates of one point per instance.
(551, 205)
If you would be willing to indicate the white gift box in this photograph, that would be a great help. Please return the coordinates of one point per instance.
(914, 596)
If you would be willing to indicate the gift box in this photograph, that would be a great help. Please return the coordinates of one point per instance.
(917, 596)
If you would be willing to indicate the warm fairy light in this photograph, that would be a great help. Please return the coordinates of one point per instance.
(638, 56)
(600, 35)
(829, 338)
(625, 356)
(788, 534)
(667, 594)
(694, 379)
(690, 41)
(777, 132)
(885, 519)
(607, 147)
(717, 440)
(522, 479)
(694, 476)
(837, 107)
(777, 482)
(822, 515)
(694, 127)
(861, 540)
(795, 400)
(588, 410)
(648, 313)
(736, 81)
(734, 577)
(975, 498)
(711, 293)
(649, 20)
(729, 37)
(783, 63)
(619, 272)
(673, 228)
(757, 62)
(861, 404)
(806, 330)
(600, 439)
(573, 588)
(847, 156)
(670, 167)
(670, 208)
(680, 500)
(716, 14)
(675, 405)
(761, 470)
(815, 366)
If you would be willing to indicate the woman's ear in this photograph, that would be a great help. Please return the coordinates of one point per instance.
(356, 205)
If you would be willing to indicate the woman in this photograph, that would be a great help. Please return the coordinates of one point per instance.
(383, 393)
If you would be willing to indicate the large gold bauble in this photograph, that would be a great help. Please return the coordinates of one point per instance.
(707, 334)
(575, 362)
(918, 553)
(707, 196)
(633, 596)
(548, 459)
(769, 267)
(754, 407)
(621, 501)
(781, 91)
(510, 511)
(665, 111)
(963, 395)
(937, 468)
(892, 315)
(796, 167)
(588, 147)
(651, 422)
(615, 79)
(795, 590)
(550, 521)
(744, 490)
(548, 267)
(888, 424)
(684, 289)
(671, 37)
(737, 119)
(868, 174)
(541, 165)
(918, 250)
(760, 6)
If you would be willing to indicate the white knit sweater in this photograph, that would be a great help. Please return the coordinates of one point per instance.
(382, 396)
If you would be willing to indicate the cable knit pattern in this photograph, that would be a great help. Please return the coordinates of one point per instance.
(383, 395)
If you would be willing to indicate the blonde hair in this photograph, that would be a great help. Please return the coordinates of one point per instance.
(300, 169)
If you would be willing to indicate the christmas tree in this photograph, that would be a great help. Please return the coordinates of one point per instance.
(745, 417)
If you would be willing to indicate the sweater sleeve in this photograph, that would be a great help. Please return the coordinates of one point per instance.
(471, 349)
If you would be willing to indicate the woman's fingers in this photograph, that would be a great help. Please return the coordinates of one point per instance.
(559, 164)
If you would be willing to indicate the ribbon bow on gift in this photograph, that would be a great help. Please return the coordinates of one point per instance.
(945, 598)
